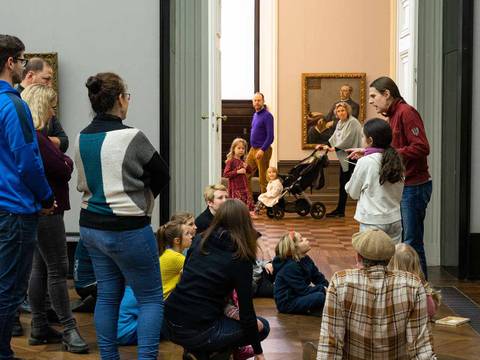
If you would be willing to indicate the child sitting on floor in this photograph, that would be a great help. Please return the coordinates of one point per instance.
(299, 286)
(274, 191)
(406, 259)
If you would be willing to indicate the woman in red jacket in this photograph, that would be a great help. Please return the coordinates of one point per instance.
(410, 141)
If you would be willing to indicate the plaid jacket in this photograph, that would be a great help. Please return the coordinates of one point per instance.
(374, 313)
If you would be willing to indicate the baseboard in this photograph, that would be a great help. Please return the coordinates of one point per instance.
(473, 271)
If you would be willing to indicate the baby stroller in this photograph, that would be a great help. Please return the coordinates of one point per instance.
(307, 173)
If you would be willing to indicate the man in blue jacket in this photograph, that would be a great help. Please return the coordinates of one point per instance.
(24, 190)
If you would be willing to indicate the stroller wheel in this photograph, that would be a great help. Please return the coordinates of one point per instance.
(318, 210)
(278, 212)
(270, 213)
(302, 207)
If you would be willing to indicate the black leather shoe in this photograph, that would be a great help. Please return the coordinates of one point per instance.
(335, 213)
(73, 342)
(47, 335)
(17, 329)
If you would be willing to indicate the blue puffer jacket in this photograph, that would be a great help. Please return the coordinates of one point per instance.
(294, 279)
(23, 186)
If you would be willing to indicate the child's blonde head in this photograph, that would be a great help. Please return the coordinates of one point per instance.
(272, 169)
(235, 143)
(406, 259)
(287, 247)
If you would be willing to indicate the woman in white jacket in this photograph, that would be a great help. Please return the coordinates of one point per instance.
(377, 181)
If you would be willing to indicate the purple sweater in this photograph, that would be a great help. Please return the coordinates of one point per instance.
(261, 135)
(58, 169)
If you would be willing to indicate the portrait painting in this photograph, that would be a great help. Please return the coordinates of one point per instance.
(52, 60)
(320, 93)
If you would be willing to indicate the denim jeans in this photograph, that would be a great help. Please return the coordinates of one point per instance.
(414, 204)
(126, 256)
(18, 237)
(225, 333)
(49, 270)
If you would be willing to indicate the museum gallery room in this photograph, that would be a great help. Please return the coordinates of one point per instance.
(291, 179)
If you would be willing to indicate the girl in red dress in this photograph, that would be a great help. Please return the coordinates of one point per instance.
(236, 172)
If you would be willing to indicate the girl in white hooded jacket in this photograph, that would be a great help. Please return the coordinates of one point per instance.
(377, 181)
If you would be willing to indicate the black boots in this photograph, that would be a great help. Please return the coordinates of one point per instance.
(73, 342)
(47, 335)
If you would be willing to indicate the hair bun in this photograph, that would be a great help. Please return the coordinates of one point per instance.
(93, 84)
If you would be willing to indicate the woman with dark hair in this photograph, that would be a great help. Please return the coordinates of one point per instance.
(377, 182)
(120, 173)
(218, 264)
(410, 140)
(347, 134)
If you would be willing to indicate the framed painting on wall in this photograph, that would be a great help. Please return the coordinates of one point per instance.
(320, 93)
(52, 60)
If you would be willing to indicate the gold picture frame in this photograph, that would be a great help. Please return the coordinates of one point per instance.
(52, 60)
(320, 92)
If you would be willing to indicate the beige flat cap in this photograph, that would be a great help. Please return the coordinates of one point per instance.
(373, 244)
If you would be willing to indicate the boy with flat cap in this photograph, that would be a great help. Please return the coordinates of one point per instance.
(372, 312)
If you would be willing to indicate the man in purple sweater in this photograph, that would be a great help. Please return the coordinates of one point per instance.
(261, 138)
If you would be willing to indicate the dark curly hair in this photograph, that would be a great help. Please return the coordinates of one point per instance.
(103, 91)
(392, 169)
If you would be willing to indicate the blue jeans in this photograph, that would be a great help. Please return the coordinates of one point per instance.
(18, 237)
(414, 204)
(225, 333)
(126, 256)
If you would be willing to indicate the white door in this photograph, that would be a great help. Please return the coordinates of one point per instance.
(214, 92)
(407, 11)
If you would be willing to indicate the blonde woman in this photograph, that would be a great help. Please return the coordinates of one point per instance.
(236, 170)
(50, 264)
(347, 134)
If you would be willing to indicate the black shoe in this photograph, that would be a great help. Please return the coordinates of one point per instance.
(73, 342)
(47, 335)
(52, 317)
(17, 329)
(335, 213)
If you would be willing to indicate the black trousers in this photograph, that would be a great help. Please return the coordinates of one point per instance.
(342, 194)
(49, 271)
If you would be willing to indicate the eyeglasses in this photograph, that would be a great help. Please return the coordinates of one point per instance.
(127, 95)
(23, 61)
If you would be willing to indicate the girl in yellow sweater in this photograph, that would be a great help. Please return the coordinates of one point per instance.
(172, 238)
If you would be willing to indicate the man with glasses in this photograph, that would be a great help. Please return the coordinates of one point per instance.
(38, 71)
(24, 190)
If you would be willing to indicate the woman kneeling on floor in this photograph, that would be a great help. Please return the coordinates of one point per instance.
(218, 264)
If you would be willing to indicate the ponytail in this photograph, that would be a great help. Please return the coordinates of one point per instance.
(167, 233)
(392, 169)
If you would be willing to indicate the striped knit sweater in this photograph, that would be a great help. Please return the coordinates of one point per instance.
(119, 173)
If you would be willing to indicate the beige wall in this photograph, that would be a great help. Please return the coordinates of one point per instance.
(326, 36)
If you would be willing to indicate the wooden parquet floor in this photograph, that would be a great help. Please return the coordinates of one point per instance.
(332, 251)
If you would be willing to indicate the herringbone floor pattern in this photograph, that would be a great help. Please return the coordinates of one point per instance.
(332, 251)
